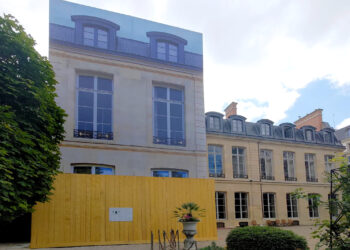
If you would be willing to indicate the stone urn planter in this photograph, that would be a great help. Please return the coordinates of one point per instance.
(189, 230)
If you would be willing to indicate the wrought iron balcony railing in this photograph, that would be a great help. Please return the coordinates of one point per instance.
(311, 179)
(267, 177)
(217, 175)
(93, 134)
(169, 141)
(290, 178)
(241, 176)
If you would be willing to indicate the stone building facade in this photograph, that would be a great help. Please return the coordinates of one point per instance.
(133, 92)
(257, 166)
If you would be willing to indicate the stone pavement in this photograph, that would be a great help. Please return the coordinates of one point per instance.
(222, 233)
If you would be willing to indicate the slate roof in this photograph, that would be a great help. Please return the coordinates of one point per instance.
(343, 133)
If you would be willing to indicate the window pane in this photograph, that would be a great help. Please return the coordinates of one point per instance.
(160, 92)
(104, 116)
(86, 82)
(179, 174)
(160, 108)
(104, 101)
(82, 170)
(176, 95)
(85, 114)
(103, 171)
(161, 54)
(161, 123)
(85, 126)
(89, 36)
(86, 99)
(160, 173)
(176, 124)
(104, 84)
(176, 110)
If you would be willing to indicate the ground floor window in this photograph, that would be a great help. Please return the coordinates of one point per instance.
(169, 173)
(92, 169)
(220, 204)
(292, 206)
(241, 205)
(269, 205)
(313, 206)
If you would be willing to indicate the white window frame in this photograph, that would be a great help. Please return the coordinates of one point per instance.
(167, 49)
(212, 124)
(170, 171)
(215, 155)
(309, 135)
(237, 125)
(328, 162)
(265, 129)
(93, 167)
(95, 39)
(168, 102)
(311, 170)
(264, 156)
(269, 205)
(241, 206)
(217, 205)
(289, 157)
(237, 154)
(95, 92)
(313, 210)
(291, 205)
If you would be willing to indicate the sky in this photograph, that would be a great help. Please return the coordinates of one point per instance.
(278, 60)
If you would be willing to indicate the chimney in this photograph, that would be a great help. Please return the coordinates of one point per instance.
(231, 109)
(313, 119)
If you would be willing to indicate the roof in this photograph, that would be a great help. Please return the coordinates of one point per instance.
(343, 133)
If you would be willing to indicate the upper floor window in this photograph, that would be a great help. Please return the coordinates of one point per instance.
(269, 209)
(167, 51)
(328, 159)
(292, 206)
(237, 125)
(170, 173)
(214, 122)
(265, 129)
(309, 135)
(95, 37)
(168, 116)
(313, 206)
(241, 205)
(220, 205)
(215, 161)
(288, 132)
(92, 169)
(238, 162)
(288, 166)
(327, 137)
(310, 168)
(94, 107)
(266, 164)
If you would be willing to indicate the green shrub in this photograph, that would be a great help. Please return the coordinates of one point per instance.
(213, 246)
(264, 238)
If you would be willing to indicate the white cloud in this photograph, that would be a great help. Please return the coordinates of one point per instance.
(255, 52)
(344, 123)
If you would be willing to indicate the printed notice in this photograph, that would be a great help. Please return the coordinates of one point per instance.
(120, 214)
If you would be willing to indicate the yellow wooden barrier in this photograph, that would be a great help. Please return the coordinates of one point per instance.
(78, 212)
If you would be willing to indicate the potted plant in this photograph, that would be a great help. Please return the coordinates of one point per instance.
(189, 214)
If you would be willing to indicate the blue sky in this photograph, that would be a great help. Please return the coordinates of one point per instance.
(277, 59)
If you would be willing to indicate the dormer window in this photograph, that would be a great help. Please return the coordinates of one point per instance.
(237, 125)
(167, 47)
(167, 51)
(288, 132)
(309, 135)
(328, 137)
(214, 122)
(95, 37)
(265, 129)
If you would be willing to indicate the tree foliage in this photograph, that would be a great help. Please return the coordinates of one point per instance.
(31, 123)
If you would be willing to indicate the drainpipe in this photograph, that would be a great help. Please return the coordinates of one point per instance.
(260, 183)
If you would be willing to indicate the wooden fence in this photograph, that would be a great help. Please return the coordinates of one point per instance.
(78, 212)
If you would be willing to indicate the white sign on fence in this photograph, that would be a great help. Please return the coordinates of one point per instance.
(120, 214)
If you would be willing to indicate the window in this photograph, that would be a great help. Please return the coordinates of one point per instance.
(238, 162)
(94, 107)
(237, 125)
(241, 205)
(95, 37)
(220, 205)
(288, 165)
(269, 205)
(309, 135)
(313, 206)
(265, 129)
(266, 164)
(86, 169)
(328, 137)
(170, 173)
(214, 122)
(310, 168)
(328, 162)
(215, 161)
(169, 122)
(288, 132)
(332, 202)
(167, 51)
(292, 206)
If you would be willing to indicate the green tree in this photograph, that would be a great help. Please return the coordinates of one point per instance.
(338, 206)
(31, 123)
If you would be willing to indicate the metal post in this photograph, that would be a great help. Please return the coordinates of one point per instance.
(330, 213)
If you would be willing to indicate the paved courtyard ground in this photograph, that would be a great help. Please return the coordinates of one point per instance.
(222, 233)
